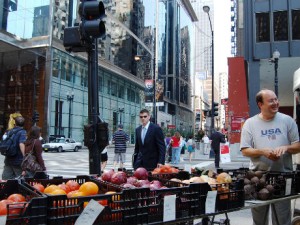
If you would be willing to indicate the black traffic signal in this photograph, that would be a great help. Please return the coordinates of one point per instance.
(216, 108)
(78, 38)
(36, 116)
(92, 13)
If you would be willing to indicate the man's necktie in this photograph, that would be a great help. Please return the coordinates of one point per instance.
(143, 134)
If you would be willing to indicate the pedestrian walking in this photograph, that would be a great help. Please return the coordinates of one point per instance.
(120, 139)
(182, 148)
(216, 138)
(12, 164)
(168, 148)
(269, 139)
(104, 158)
(176, 149)
(191, 146)
(34, 146)
(150, 148)
(206, 143)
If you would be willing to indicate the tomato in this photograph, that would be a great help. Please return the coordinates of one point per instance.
(103, 202)
(89, 188)
(64, 187)
(39, 187)
(16, 198)
(73, 185)
(3, 208)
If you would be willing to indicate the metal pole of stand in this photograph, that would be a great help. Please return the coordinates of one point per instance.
(93, 107)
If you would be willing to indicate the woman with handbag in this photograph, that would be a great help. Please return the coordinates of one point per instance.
(33, 160)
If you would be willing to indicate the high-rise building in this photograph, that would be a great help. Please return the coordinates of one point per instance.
(37, 74)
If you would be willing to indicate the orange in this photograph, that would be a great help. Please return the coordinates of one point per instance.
(89, 188)
(50, 188)
(58, 191)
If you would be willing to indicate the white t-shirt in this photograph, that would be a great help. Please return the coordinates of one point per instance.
(258, 133)
(206, 140)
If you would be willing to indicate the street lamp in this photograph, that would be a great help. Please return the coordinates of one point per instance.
(70, 97)
(138, 58)
(275, 58)
(121, 110)
(206, 9)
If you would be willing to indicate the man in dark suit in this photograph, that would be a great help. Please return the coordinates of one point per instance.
(150, 149)
(217, 138)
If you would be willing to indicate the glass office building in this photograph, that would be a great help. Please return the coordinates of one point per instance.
(37, 74)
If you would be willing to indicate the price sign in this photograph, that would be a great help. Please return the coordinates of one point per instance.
(169, 208)
(2, 220)
(288, 186)
(90, 213)
(210, 204)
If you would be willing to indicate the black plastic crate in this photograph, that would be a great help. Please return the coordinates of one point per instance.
(189, 198)
(122, 207)
(229, 196)
(279, 181)
(32, 212)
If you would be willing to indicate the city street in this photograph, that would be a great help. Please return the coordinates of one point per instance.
(70, 164)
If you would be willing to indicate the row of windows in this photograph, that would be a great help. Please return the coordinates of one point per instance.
(77, 74)
(280, 26)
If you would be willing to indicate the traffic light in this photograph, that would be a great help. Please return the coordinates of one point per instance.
(216, 108)
(92, 13)
(78, 38)
(36, 116)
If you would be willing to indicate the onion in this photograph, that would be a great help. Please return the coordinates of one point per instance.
(141, 173)
(106, 176)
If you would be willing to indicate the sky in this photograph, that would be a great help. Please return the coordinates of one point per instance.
(222, 35)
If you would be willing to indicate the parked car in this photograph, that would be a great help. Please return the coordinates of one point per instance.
(62, 144)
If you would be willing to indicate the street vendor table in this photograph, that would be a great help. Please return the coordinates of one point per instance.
(248, 205)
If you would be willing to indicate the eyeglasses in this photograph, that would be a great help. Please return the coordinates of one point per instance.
(143, 117)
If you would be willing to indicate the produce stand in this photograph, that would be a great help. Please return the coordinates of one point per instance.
(187, 202)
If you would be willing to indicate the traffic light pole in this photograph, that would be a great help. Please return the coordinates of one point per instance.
(93, 105)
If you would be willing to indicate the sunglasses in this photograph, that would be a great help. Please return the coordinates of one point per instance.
(143, 117)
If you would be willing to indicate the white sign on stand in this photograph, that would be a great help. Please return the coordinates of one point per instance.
(3, 220)
(225, 153)
(210, 203)
(90, 213)
(169, 208)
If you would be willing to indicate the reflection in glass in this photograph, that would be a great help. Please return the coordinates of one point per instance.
(295, 24)
(262, 27)
(280, 26)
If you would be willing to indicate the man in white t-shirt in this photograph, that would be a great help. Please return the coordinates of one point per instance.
(206, 142)
(269, 139)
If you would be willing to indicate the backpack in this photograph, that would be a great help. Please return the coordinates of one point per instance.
(8, 146)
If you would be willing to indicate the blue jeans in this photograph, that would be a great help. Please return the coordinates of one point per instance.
(176, 155)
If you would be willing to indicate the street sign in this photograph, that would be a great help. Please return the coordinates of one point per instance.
(171, 126)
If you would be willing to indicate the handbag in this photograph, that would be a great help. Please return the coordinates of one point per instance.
(29, 162)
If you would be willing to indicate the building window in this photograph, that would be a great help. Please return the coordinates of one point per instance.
(108, 87)
(128, 94)
(280, 28)
(58, 117)
(295, 24)
(262, 27)
(114, 89)
(121, 92)
(100, 83)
